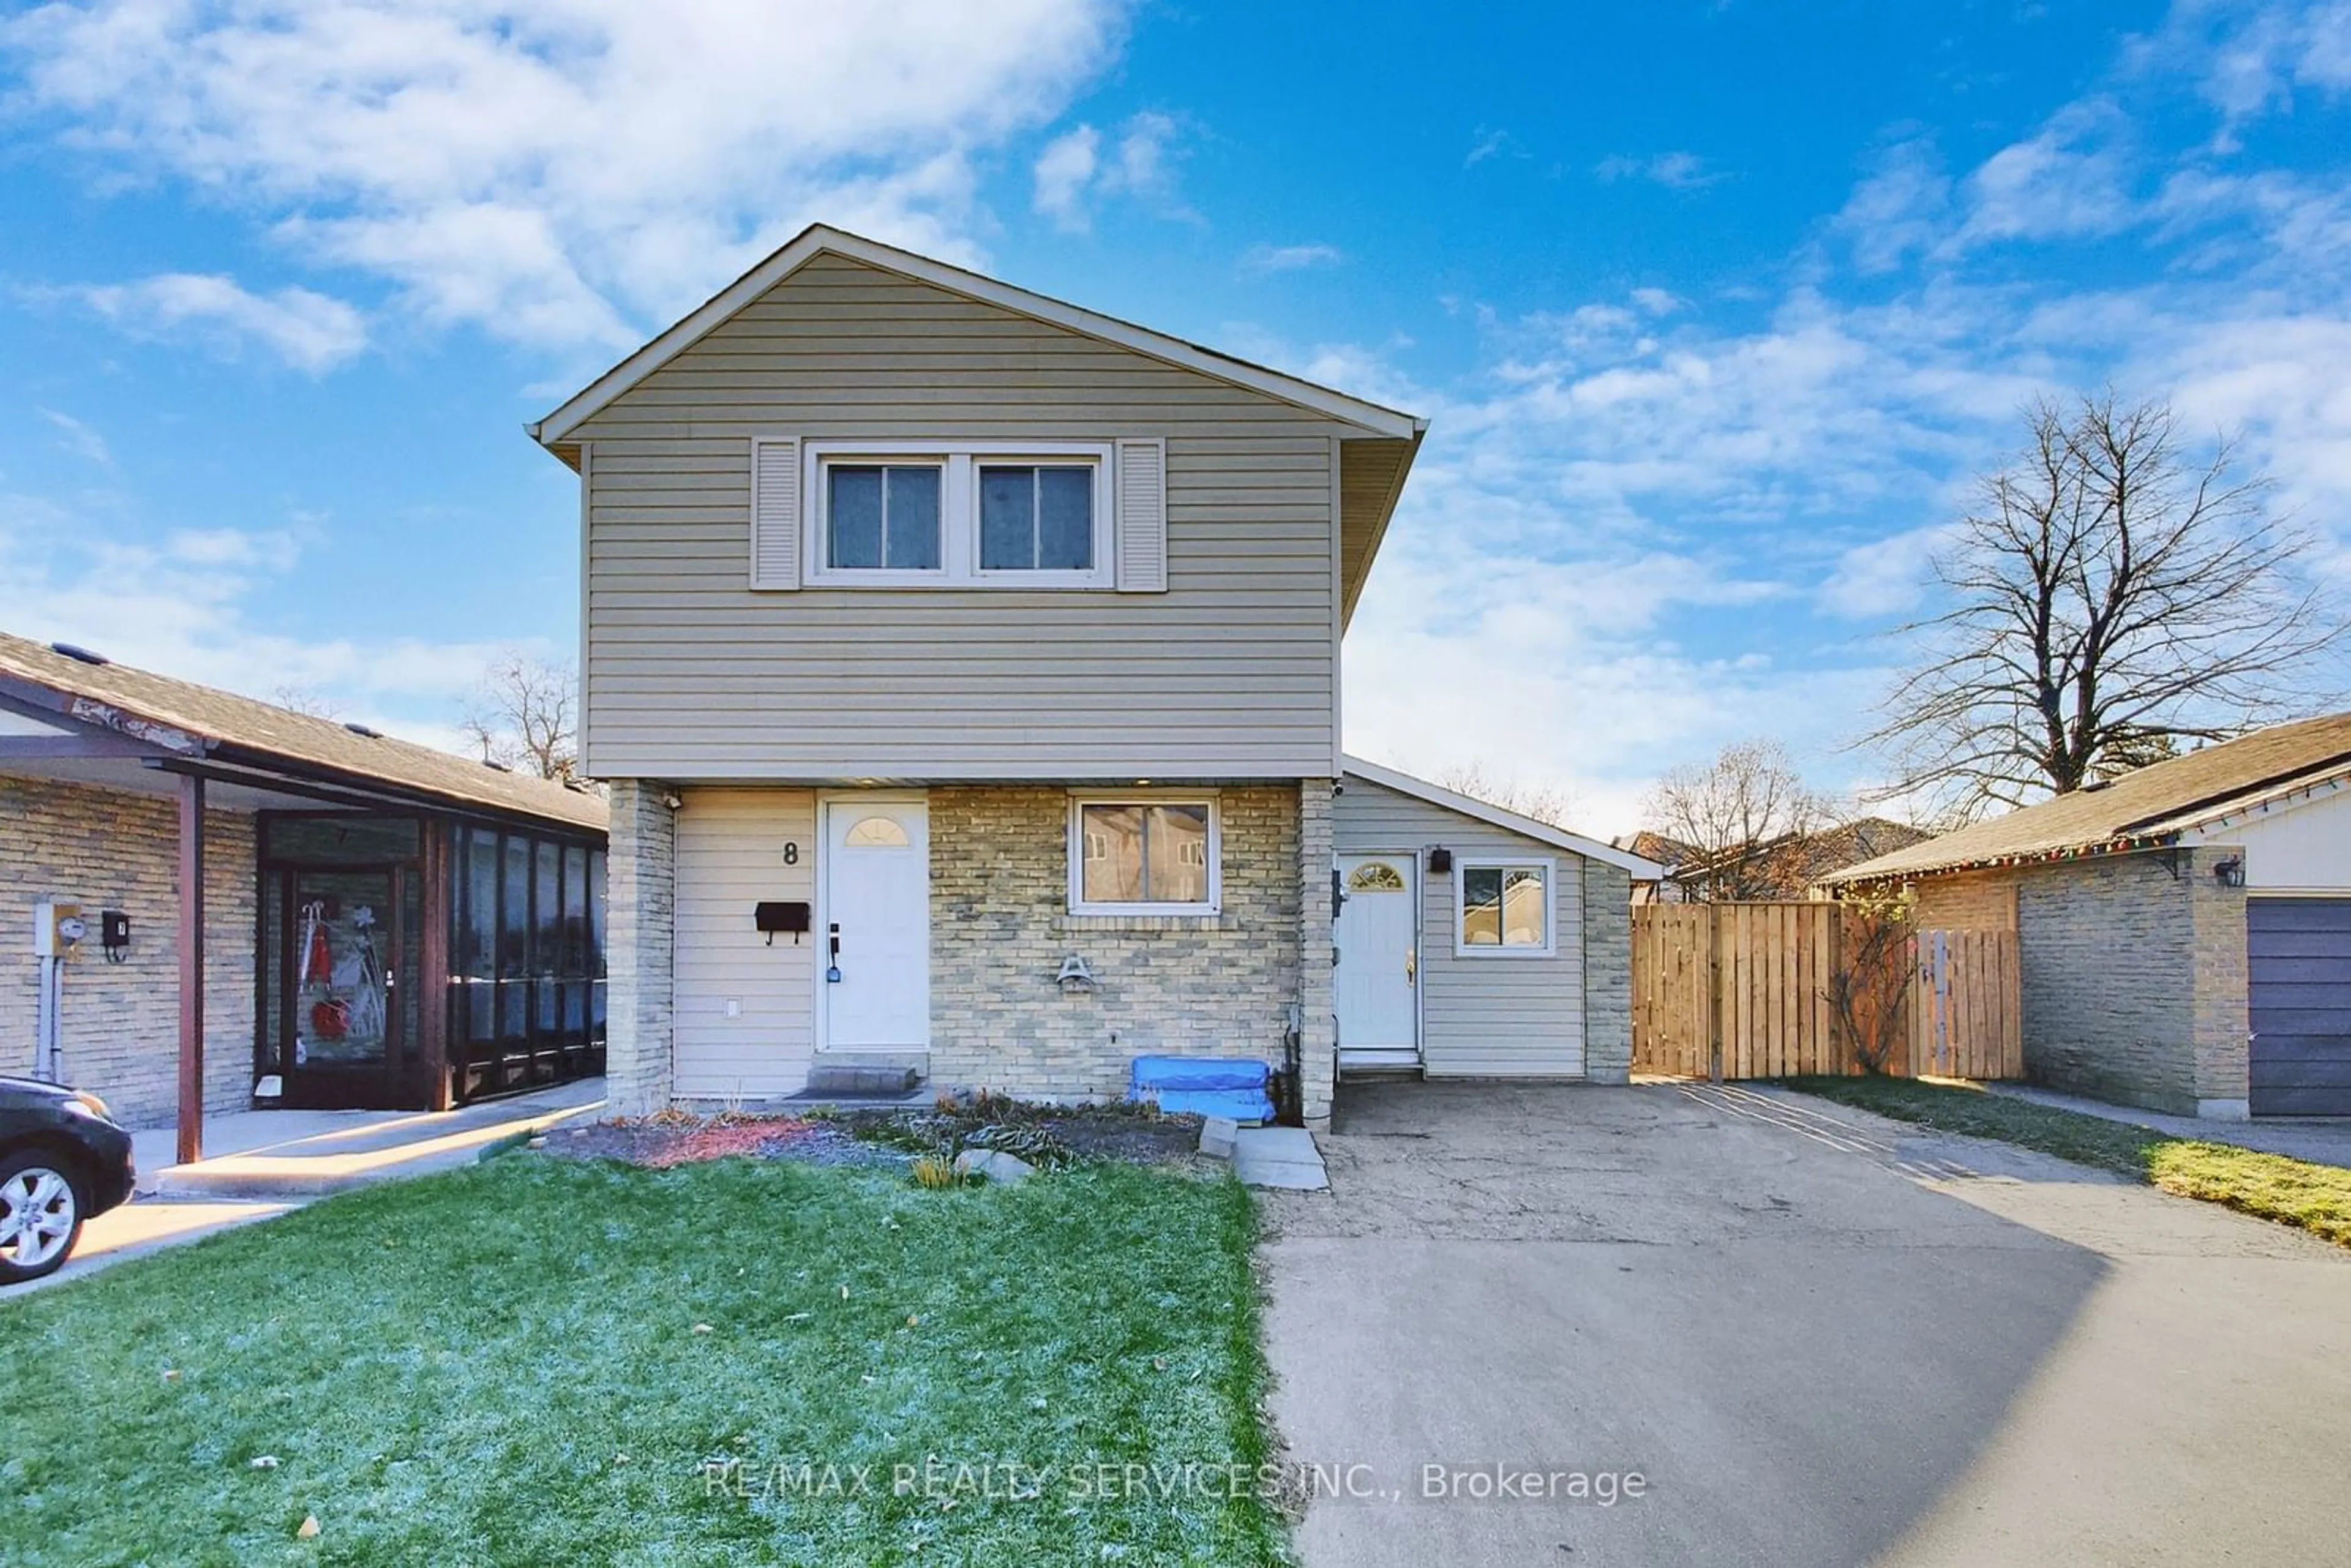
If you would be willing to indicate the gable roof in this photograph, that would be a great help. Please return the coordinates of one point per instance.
(1495, 816)
(203, 722)
(2147, 807)
(818, 240)
(1655, 846)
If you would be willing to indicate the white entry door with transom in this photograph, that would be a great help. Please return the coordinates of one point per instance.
(877, 914)
(1378, 977)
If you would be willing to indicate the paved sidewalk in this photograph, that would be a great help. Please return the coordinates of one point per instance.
(149, 1225)
(2324, 1141)
(308, 1153)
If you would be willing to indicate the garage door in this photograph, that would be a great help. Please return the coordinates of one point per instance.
(2299, 951)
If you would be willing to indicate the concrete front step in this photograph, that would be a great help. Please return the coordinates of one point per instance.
(861, 1081)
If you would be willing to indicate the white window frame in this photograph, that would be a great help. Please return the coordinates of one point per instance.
(1077, 849)
(1464, 865)
(958, 511)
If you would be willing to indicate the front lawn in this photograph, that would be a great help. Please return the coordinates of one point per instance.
(2314, 1198)
(540, 1361)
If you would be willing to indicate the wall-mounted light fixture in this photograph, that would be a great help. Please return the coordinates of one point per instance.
(2230, 873)
(1440, 860)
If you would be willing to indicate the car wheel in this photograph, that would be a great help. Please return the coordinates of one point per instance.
(40, 1215)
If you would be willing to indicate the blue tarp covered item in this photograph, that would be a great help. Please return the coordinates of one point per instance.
(1204, 1087)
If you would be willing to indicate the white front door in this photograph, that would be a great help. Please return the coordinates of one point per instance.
(876, 982)
(1378, 977)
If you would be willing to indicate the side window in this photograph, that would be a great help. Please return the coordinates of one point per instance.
(1505, 908)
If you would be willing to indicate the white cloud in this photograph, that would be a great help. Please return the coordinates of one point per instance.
(1289, 257)
(1900, 207)
(565, 174)
(2069, 180)
(2248, 58)
(78, 438)
(1675, 171)
(1064, 170)
(1076, 172)
(1491, 142)
(1883, 580)
(307, 331)
(196, 604)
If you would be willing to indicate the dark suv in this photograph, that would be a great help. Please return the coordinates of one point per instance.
(63, 1157)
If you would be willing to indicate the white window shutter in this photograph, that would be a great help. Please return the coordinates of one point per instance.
(776, 514)
(1142, 520)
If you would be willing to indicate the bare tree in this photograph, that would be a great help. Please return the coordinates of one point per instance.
(1733, 813)
(2111, 597)
(1869, 987)
(1543, 802)
(302, 699)
(525, 716)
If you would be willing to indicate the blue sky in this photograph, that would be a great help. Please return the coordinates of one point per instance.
(1715, 306)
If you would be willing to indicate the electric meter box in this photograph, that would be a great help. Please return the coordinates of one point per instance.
(58, 928)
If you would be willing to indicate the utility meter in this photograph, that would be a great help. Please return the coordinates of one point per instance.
(58, 928)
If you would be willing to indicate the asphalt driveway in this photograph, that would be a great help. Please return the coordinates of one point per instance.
(1816, 1336)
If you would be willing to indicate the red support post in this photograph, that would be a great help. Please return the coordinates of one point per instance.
(191, 968)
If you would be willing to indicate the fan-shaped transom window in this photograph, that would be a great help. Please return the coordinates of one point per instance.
(876, 833)
(1375, 876)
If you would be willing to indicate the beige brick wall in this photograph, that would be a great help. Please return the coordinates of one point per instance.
(114, 849)
(639, 947)
(1607, 973)
(1318, 999)
(1000, 927)
(2134, 980)
(1970, 901)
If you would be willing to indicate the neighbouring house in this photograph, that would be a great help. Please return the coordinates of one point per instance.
(1788, 867)
(2184, 930)
(964, 668)
(215, 904)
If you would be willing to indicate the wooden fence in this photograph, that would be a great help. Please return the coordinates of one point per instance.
(1765, 990)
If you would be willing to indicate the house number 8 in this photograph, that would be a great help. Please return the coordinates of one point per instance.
(791, 854)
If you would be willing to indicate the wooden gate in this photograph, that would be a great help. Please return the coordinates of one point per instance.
(1771, 990)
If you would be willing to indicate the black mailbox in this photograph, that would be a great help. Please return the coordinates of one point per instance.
(774, 917)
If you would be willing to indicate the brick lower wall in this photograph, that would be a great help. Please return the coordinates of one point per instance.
(1000, 927)
(1970, 901)
(639, 948)
(1607, 973)
(118, 849)
(2134, 980)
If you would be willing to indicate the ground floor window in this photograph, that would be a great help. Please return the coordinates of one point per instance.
(1143, 855)
(1506, 907)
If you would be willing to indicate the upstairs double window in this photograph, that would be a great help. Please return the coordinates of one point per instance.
(1028, 516)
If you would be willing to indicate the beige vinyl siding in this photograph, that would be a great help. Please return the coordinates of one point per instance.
(1231, 672)
(730, 856)
(1484, 1016)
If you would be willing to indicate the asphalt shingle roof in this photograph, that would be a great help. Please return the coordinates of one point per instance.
(112, 694)
(2148, 805)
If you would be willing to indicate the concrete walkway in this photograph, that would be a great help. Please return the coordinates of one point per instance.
(1282, 1157)
(263, 1163)
(1817, 1336)
(2323, 1140)
(308, 1153)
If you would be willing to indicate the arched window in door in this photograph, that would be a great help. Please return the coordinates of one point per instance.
(875, 833)
(1375, 876)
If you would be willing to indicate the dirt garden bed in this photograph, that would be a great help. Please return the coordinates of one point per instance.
(1051, 1136)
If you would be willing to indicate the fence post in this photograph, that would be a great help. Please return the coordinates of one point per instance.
(1711, 924)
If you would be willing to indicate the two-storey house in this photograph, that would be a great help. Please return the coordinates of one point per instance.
(965, 667)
